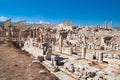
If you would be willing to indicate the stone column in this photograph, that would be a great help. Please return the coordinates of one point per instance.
(53, 60)
(97, 55)
(83, 52)
(102, 40)
(89, 46)
(33, 34)
(110, 25)
(84, 39)
(37, 33)
(41, 38)
(103, 26)
(70, 51)
(53, 44)
(94, 55)
(93, 46)
(100, 59)
(117, 47)
(19, 35)
(22, 35)
(61, 43)
(19, 38)
(10, 33)
(49, 53)
(30, 33)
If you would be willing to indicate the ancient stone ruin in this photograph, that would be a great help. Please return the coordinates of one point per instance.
(75, 52)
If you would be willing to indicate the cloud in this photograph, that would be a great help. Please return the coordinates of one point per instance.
(43, 22)
(3, 18)
(39, 22)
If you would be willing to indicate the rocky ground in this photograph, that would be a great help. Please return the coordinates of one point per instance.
(14, 65)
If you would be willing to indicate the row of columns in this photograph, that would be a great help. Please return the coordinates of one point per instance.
(35, 33)
(98, 55)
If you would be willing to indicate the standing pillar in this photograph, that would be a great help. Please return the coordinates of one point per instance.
(10, 33)
(94, 55)
(44, 38)
(61, 43)
(19, 35)
(19, 38)
(53, 44)
(33, 34)
(84, 39)
(93, 46)
(70, 51)
(100, 59)
(41, 38)
(110, 26)
(102, 41)
(103, 26)
(30, 33)
(83, 52)
(117, 47)
(22, 35)
(36, 34)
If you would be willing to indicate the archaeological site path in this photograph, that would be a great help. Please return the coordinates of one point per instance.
(17, 66)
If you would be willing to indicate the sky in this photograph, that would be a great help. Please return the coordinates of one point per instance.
(80, 12)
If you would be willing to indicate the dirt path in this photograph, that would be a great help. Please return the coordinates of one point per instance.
(17, 66)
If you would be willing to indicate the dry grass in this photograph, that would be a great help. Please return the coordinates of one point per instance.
(17, 66)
